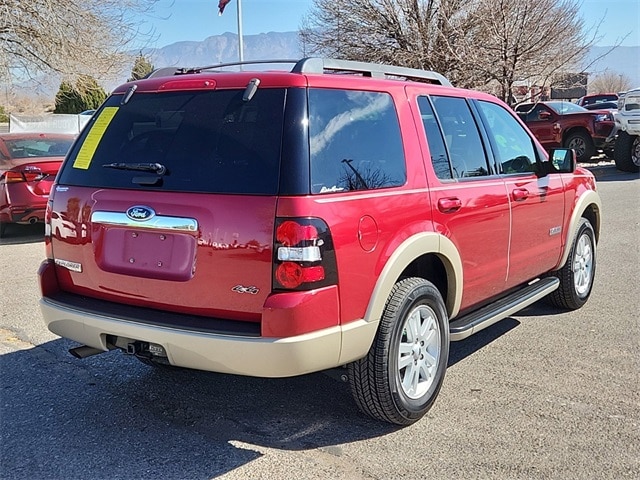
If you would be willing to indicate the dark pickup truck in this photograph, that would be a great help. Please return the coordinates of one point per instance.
(565, 124)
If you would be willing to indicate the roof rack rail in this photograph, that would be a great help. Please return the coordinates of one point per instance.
(322, 65)
(169, 71)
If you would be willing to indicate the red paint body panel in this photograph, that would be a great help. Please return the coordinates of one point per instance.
(231, 247)
(296, 313)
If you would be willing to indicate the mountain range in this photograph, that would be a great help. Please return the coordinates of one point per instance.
(286, 45)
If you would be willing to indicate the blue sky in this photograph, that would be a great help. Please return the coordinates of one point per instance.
(177, 20)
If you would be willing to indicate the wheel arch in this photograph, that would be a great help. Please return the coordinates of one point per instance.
(428, 255)
(573, 130)
(588, 206)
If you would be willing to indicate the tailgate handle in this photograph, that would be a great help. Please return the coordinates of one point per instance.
(449, 205)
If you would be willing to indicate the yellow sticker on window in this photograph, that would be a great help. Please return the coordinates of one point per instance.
(91, 141)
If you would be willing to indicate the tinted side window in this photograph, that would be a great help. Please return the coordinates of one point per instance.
(208, 141)
(468, 158)
(510, 142)
(532, 113)
(437, 149)
(354, 140)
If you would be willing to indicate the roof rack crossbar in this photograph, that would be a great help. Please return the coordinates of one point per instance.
(320, 65)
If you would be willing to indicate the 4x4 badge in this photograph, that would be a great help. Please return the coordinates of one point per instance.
(242, 289)
(140, 213)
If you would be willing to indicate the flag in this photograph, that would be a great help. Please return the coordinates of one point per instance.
(221, 5)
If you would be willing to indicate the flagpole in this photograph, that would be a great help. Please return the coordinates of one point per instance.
(240, 43)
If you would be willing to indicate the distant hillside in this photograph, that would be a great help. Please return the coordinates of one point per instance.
(286, 45)
(224, 48)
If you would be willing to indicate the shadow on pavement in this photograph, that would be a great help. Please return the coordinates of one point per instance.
(609, 173)
(17, 234)
(458, 351)
(109, 416)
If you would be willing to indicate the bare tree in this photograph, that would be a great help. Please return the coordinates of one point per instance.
(609, 82)
(71, 38)
(523, 40)
(485, 44)
(412, 33)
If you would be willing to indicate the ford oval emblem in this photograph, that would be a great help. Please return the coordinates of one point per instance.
(140, 213)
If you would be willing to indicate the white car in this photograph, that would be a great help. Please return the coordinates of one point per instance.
(627, 118)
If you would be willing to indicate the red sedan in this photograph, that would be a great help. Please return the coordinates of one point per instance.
(29, 163)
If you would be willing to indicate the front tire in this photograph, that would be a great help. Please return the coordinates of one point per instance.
(627, 152)
(400, 378)
(583, 145)
(577, 275)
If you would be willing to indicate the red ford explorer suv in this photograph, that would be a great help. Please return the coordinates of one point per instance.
(340, 214)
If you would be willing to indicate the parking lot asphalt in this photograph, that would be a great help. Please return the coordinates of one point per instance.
(541, 395)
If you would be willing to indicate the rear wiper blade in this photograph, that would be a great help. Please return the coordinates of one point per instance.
(157, 168)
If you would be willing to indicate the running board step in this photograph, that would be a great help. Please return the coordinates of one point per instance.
(464, 327)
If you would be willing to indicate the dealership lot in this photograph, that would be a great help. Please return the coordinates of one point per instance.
(539, 395)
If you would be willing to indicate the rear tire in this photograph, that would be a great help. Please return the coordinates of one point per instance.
(582, 143)
(577, 274)
(400, 378)
(627, 152)
(3, 228)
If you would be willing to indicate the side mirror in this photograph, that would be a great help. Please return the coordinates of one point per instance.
(561, 160)
(544, 115)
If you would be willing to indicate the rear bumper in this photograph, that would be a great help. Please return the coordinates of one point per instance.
(18, 204)
(22, 214)
(252, 356)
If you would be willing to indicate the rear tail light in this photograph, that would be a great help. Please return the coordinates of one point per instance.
(304, 256)
(27, 174)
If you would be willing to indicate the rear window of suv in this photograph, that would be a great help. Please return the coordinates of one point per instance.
(208, 141)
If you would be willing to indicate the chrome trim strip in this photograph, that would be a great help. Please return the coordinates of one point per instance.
(159, 222)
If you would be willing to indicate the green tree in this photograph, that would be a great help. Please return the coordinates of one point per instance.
(4, 118)
(84, 94)
(141, 68)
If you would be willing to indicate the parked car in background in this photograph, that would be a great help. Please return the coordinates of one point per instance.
(597, 98)
(627, 117)
(565, 124)
(29, 163)
(284, 222)
(602, 106)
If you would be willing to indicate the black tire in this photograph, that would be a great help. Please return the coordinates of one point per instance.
(577, 275)
(3, 228)
(627, 152)
(582, 143)
(414, 332)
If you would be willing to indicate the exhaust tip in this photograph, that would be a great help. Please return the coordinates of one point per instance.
(84, 351)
